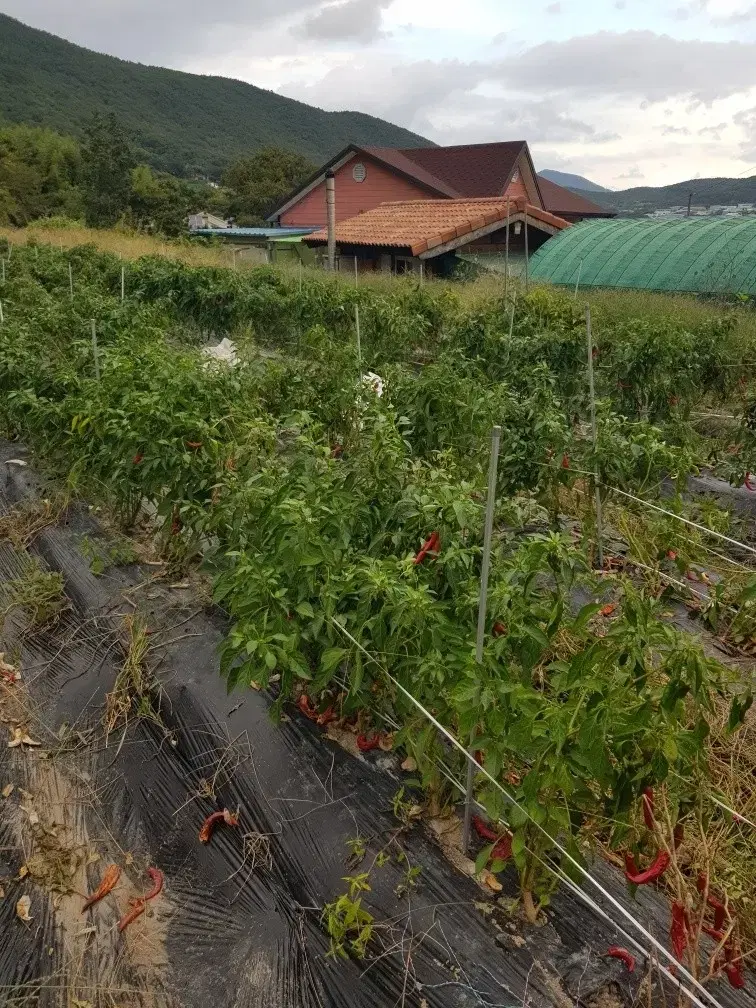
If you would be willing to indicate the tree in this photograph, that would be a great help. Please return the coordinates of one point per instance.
(160, 202)
(262, 180)
(107, 162)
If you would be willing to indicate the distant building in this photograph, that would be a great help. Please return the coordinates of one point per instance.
(204, 219)
(367, 177)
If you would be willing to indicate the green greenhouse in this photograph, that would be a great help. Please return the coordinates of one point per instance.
(692, 254)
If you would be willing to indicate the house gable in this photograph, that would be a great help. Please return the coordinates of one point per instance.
(362, 183)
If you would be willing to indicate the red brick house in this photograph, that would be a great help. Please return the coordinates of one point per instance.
(366, 177)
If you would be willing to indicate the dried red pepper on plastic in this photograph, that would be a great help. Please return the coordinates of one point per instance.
(138, 906)
(734, 974)
(502, 850)
(365, 743)
(109, 881)
(615, 952)
(305, 707)
(655, 870)
(212, 820)
(429, 546)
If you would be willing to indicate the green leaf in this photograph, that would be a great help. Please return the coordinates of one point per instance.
(482, 859)
(331, 657)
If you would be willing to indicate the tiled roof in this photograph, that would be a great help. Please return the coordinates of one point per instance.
(472, 170)
(557, 199)
(422, 225)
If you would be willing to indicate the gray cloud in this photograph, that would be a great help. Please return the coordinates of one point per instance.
(747, 121)
(635, 64)
(632, 173)
(160, 31)
(354, 20)
(739, 17)
(671, 130)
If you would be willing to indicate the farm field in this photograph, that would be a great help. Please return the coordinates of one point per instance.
(338, 524)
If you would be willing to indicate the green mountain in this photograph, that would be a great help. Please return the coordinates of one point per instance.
(706, 192)
(182, 123)
(578, 183)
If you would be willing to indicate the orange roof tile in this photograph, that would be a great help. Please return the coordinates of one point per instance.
(420, 225)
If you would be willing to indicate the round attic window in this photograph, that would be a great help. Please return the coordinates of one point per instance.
(359, 172)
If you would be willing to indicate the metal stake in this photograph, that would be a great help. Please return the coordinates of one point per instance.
(594, 436)
(356, 275)
(70, 280)
(123, 282)
(506, 256)
(2, 318)
(527, 252)
(485, 569)
(94, 350)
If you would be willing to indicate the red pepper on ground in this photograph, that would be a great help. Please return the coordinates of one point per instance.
(734, 973)
(615, 952)
(483, 829)
(138, 906)
(365, 743)
(212, 820)
(109, 881)
(431, 545)
(502, 850)
(328, 715)
(655, 870)
(137, 458)
(304, 705)
(607, 610)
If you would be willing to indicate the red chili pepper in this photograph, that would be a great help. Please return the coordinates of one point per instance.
(109, 881)
(193, 444)
(594, 353)
(671, 555)
(328, 715)
(674, 400)
(366, 743)
(337, 451)
(615, 952)
(655, 870)
(608, 609)
(136, 911)
(716, 936)
(430, 545)
(748, 483)
(499, 630)
(479, 756)
(720, 910)
(503, 849)
(734, 973)
(483, 829)
(212, 820)
(157, 878)
(138, 906)
(679, 929)
(137, 458)
(565, 461)
(304, 705)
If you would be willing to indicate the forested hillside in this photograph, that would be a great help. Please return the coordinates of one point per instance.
(181, 123)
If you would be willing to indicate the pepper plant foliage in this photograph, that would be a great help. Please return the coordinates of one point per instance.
(308, 497)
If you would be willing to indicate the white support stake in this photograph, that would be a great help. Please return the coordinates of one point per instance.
(123, 283)
(577, 283)
(485, 569)
(356, 274)
(2, 317)
(94, 350)
(70, 280)
(594, 437)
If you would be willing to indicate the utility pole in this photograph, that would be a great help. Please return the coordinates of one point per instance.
(331, 209)
(690, 202)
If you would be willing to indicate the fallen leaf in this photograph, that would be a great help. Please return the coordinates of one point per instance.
(490, 881)
(23, 871)
(18, 462)
(21, 738)
(409, 764)
(386, 742)
(7, 791)
(22, 909)
(33, 818)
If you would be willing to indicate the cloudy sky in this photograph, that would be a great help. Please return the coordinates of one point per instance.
(627, 92)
